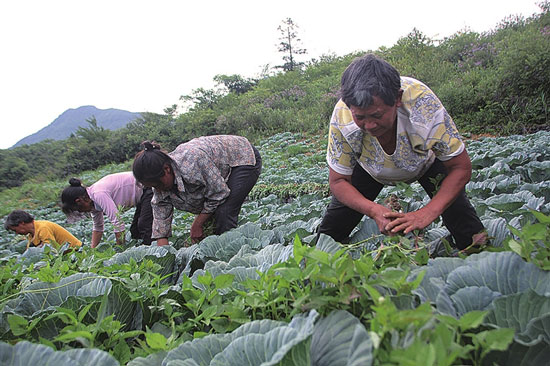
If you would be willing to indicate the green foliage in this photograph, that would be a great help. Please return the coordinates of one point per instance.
(270, 285)
(12, 170)
(235, 83)
(531, 242)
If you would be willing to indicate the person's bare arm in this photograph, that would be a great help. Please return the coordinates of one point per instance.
(197, 231)
(162, 241)
(459, 171)
(120, 238)
(346, 193)
(96, 238)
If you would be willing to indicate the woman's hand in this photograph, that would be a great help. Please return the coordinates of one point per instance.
(162, 241)
(380, 216)
(197, 233)
(407, 222)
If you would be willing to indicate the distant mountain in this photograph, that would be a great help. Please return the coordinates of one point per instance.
(69, 121)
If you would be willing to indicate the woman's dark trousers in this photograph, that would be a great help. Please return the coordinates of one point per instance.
(240, 182)
(460, 218)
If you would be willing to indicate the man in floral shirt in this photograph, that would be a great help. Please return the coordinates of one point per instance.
(388, 129)
(209, 176)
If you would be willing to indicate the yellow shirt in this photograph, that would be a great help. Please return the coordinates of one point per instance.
(424, 131)
(53, 234)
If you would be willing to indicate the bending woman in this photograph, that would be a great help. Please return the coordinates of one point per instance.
(39, 232)
(106, 196)
(209, 176)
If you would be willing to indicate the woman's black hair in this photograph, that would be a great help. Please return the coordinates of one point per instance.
(16, 217)
(70, 194)
(149, 163)
(367, 77)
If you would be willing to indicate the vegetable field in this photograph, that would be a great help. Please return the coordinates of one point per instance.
(269, 293)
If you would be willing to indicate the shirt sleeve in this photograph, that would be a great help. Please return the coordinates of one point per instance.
(97, 220)
(162, 218)
(435, 129)
(110, 209)
(340, 155)
(445, 140)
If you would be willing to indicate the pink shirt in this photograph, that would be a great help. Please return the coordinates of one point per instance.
(110, 193)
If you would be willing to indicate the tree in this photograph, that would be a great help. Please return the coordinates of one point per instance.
(172, 110)
(235, 83)
(202, 98)
(290, 45)
(89, 147)
(12, 169)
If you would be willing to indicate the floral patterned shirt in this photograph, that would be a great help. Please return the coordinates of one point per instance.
(201, 168)
(424, 131)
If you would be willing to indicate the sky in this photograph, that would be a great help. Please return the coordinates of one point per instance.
(141, 56)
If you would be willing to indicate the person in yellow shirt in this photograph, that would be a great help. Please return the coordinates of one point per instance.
(39, 232)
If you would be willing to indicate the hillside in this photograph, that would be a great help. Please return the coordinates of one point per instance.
(69, 121)
(495, 83)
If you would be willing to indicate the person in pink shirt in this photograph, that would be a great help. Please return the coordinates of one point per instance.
(106, 197)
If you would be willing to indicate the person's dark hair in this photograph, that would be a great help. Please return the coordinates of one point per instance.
(367, 77)
(70, 194)
(16, 217)
(149, 163)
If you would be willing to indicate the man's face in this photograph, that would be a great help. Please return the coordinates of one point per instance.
(22, 228)
(84, 204)
(377, 119)
(165, 183)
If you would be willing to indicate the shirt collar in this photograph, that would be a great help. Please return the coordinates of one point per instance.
(178, 177)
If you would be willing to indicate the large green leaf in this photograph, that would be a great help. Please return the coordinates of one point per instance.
(537, 171)
(327, 244)
(520, 355)
(497, 230)
(528, 313)
(435, 276)
(87, 356)
(510, 201)
(367, 231)
(262, 260)
(286, 232)
(74, 292)
(472, 298)
(284, 345)
(503, 272)
(458, 286)
(165, 256)
(341, 340)
(42, 295)
(26, 353)
(253, 231)
(152, 360)
(202, 350)
(225, 246)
